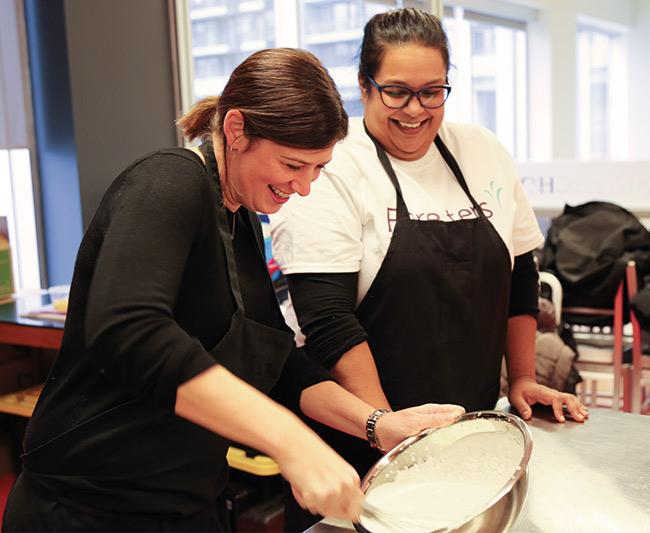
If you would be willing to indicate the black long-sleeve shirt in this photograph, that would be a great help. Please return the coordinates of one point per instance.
(149, 298)
(325, 303)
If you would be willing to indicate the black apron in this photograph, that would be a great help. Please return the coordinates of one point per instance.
(436, 314)
(182, 489)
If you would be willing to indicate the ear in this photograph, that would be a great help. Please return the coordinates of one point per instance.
(362, 86)
(233, 128)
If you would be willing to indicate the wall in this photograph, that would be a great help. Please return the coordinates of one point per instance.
(122, 87)
(103, 93)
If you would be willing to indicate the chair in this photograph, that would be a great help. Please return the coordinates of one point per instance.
(639, 386)
(597, 250)
(601, 351)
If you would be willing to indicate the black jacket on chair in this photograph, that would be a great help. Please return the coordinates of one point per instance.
(588, 247)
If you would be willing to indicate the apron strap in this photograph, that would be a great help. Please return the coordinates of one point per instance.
(385, 162)
(453, 165)
(446, 155)
(207, 150)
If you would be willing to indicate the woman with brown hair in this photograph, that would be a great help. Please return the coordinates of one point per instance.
(174, 337)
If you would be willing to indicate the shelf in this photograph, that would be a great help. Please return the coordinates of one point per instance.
(21, 402)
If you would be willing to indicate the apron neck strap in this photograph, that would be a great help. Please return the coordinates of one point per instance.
(446, 155)
(453, 165)
(207, 150)
(388, 168)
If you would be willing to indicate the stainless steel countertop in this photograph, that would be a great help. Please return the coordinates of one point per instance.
(591, 477)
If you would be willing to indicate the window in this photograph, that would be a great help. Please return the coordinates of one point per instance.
(224, 33)
(489, 73)
(490, 53)
(489, 82)
(16, 186)
(599, 91)
(332, 31)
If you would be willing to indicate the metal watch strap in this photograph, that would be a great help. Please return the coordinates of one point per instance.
(371, 435)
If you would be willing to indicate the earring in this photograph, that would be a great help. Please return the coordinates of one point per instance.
(233, 149)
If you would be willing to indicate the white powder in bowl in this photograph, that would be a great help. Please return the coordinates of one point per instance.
(450, 484)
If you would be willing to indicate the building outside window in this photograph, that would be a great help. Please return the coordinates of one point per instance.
(224, 33)
(489, 75)
(489, 78)
(332, 31)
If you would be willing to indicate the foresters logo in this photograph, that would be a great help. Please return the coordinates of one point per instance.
(446, 216)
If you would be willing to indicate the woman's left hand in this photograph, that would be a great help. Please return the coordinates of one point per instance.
(392, 428)
(525, 392)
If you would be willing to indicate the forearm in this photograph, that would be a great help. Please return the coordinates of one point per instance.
(520, 347)
(221, 402)
(356, 372)
(345, 412)
(342, 410)
(321, 480)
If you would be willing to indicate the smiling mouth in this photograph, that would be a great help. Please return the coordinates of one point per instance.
(410, 125)
(279, 193)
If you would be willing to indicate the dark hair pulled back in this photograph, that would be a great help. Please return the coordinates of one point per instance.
(285, 95)
(399, 27)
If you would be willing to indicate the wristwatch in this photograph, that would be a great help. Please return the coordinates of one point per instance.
(371, 435)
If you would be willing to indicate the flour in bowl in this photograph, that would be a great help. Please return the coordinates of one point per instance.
(451, 483)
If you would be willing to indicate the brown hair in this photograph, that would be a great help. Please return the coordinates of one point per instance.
(285, 95)
(398, 28)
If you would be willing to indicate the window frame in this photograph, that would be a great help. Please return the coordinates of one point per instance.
(615, 114)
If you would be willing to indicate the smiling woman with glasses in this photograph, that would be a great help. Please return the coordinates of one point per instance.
(397, 96)
(410, 265)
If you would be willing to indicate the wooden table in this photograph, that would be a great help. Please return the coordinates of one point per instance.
(18, 330)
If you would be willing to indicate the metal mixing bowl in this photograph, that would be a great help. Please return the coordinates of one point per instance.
(500, 511)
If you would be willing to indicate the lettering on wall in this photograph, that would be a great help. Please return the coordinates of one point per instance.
(551, 185)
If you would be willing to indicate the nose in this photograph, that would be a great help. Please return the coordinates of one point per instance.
(302, 184)
(414, 107)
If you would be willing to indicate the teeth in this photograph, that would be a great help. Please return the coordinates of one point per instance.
(279, 193)
(409, 125)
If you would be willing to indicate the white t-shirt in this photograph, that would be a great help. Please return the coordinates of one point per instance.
(345, 224)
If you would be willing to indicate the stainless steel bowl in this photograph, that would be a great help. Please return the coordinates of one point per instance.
(495, 514)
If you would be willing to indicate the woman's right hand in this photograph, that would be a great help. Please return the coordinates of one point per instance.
(393, 428)
(321, 481)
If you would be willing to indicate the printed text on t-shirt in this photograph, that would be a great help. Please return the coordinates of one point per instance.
(447, 216)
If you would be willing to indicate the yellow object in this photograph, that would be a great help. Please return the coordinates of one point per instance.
(59, 296)
(260, 465)
(60, 304)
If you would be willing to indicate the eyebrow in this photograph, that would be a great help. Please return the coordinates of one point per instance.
(301, 162)
(436, 83)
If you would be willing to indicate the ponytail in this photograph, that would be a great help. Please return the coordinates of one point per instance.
(199, 122)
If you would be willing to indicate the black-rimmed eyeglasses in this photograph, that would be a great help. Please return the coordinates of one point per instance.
(397, 96)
